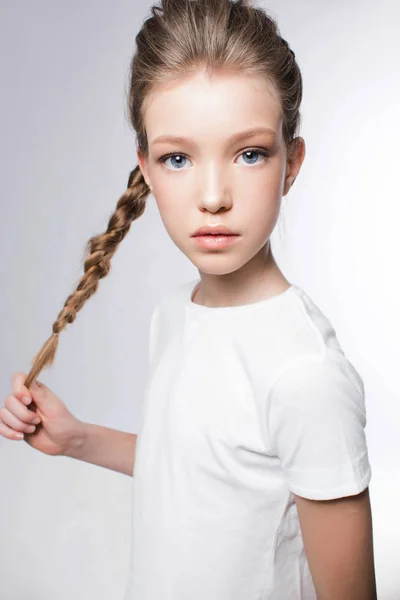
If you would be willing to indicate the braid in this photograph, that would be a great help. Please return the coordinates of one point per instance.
(98, 250)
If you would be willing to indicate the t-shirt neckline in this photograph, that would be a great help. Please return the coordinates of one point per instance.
(229, 309)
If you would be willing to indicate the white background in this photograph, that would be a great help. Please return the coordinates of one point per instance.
(66, 153)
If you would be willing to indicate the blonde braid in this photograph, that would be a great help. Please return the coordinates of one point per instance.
(98, 250)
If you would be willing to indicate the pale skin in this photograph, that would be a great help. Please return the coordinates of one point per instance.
(219, 183)
(214, 181)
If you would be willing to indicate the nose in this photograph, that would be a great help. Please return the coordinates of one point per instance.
(214, 190)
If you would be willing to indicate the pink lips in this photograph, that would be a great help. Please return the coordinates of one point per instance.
(217, 229)
(215, 241)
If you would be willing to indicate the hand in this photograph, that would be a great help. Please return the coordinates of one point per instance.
(57, 429)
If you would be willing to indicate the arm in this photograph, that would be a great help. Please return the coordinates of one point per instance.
(337, 536)
(105, 447)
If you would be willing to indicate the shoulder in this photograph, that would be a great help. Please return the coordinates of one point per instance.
(318, 386)
(310, 337)
(305, 327)
(298, 340)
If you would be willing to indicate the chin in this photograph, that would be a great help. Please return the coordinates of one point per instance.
(217, 264)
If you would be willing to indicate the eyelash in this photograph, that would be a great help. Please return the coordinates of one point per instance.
(263, 151)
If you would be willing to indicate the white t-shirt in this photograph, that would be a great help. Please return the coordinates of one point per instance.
(244, 405)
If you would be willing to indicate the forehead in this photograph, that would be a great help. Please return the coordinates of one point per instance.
(212, 106)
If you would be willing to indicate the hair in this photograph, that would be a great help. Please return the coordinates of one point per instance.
(180, 38)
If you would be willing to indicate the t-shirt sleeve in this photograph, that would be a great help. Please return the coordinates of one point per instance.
(316, 419)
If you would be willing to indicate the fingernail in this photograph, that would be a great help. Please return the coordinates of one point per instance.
(26, 400)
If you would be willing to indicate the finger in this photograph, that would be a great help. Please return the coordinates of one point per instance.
(17, 385)
(12, 421)
(17, 408)
(9, 433)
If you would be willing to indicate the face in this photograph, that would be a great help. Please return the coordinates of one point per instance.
(213, 176)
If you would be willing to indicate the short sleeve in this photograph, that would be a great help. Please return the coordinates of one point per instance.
(316, 420)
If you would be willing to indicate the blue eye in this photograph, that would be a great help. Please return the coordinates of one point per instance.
(182, 157)
(254, 151)
(163, 159)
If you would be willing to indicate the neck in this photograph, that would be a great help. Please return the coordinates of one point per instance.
(258, 279)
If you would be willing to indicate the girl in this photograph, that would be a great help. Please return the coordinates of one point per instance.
(251, 467)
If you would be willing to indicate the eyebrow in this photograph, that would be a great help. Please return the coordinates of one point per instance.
(236, 137)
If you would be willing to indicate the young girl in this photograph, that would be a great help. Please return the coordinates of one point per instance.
(251, 467)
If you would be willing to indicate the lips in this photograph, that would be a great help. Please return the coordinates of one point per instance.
(219, 230)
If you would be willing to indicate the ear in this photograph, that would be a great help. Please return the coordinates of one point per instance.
(294, 163)
(144, 167)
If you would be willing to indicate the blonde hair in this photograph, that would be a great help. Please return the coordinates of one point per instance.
(179, 38)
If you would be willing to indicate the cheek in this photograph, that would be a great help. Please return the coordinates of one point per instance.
(165, 194)
(173, 209)
(173, 193)
(259, 216)
(170, 204)
(259, 200)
